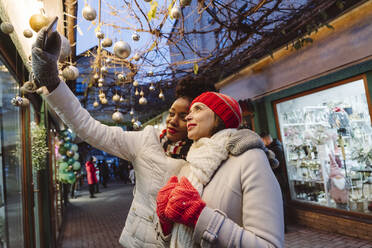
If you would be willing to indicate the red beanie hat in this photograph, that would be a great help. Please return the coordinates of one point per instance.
(227, 108)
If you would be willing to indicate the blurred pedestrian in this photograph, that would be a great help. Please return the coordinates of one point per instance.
(132, 176)
(91, 176)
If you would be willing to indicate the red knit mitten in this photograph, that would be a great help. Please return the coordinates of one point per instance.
(161, 203)
(185, 204)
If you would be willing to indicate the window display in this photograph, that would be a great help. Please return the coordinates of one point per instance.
(327, 139)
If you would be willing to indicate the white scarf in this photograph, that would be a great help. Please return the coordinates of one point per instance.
(204, 156)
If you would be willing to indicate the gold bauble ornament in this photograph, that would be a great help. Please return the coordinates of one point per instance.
(151, 88)
(100, 35)
(121, 99)
(161, 95)
(135, 83)
(133, 120)
(117, 117)
(136, 92)
(38, 21)
(116, 98)
(137, 125)
(101, 80)
(121, 77)
(89, 13)
(6, 27)
(27, 33)
(131, 111)
(104, 69)
(108, 60)
(96, 76)
(107, 42)
(70, 72)
(104, 100)
(142, 93)
(150, 73)
(95, 104)
(101, 95)
(142, 100)
(100, 85)
(70, 153)
(184, 3)
(122, 49)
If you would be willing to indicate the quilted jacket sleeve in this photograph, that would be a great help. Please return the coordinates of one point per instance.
(262, 211)
(113, 140)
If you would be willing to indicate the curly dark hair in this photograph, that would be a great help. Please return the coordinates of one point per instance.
(191, 88)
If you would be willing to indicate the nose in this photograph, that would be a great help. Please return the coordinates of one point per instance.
(188, 117)
(173, 120)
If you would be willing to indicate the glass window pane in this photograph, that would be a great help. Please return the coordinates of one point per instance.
(327, 138)
(11, 213)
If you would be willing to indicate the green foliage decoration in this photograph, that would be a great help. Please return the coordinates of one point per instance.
(39, 147)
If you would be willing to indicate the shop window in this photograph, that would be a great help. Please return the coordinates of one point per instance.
(11, 211)
(327, 139)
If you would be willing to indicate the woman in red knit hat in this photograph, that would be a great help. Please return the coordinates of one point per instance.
(227, 195)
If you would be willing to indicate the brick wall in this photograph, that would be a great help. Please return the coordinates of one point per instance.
(333, 224)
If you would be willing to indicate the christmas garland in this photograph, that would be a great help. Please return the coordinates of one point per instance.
(39, 147)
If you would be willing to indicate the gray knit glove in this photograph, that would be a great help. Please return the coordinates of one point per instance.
(44, 62)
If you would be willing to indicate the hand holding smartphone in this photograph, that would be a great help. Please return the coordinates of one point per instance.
(50, 29)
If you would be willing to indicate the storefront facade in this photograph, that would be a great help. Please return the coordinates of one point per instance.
(317, 102)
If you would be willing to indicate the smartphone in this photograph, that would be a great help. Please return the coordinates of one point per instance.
(50, 29)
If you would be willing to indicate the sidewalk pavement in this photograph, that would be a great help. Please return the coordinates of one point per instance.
(98, 222)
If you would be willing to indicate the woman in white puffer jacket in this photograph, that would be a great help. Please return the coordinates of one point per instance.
(154, 157)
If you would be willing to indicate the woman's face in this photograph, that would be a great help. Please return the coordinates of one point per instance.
(176, 120)
(201, 121)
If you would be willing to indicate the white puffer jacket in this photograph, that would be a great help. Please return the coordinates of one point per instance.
(152, 167)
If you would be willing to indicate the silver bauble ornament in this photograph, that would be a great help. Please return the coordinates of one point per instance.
(122, 49)
(107, 42)
(65, 48)
(89, 13)
(176, 12)
(115, 98)
(184, 3)
(136, 57)
(135, 83)
(6, 27)
(27, 33)
(95, 104)
(142, 100)
(117, 117)
(135, 37)
(104, 100)
(70, 72)
(100, 35)
(137, 125)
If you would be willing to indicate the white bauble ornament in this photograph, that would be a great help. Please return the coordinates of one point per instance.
(96, 76)
(6, 27)
(135, 83)
(151, 88)
(100, 85)
(70, 72)
(121, 77)
(89, 13)
(38, 21)
(122, 49)
(104, 69)
(117, 117)
(184, 3)
(142, 100)
(100, 35)
(116, 98)
(176, 12)
(107, 42)
(137, 125)
(101, 80)
(135, 37)
(65, 48)
(104, 101)
(136, 57)
(161, 95)
(121, 99)
(27, 33)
